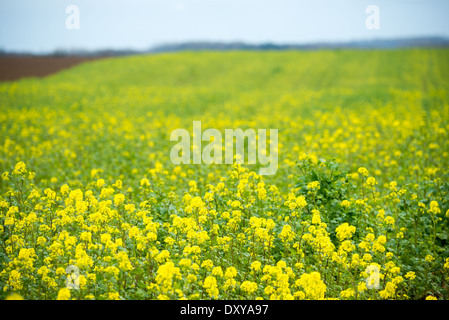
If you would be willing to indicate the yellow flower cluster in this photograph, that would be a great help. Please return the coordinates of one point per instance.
(91, 206)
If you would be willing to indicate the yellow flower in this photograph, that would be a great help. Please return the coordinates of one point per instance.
(14, 296)
(166, 273)
(185, 263)
(145, 182)
(63, 294)
(249, 287)
(124, 263)
(347, 294)
(353, 175)
(382, 239)
(191, 278)
(389, 291)
(287, 234)
(9, 221)
(113, 296)
(363, 171)
(446, 264)
(210, 284)
(19, 168)
(393, 185)
(60, 271)
(389, 220)
(434, 207)
(231, 272)
(217, 271)
(301, 202)
(208, 264)
(65, 189)
(367, 257)
(345, 231)
(118, 184)
(316, 219)
(312, 284)
(313, 185)
(119, 199)
(5, 175)
(302, 156)
(361, 286)
(100, 183)
(410, 275)
(370, 181)
(256, 265)
(345, 203)
(235, 204)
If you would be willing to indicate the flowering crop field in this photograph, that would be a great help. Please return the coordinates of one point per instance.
(91, 207)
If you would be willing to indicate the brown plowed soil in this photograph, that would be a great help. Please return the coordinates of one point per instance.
(16, 67)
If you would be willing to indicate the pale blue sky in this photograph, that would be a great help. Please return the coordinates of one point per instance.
(39, 25)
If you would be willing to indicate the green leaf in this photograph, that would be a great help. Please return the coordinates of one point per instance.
(442, 236)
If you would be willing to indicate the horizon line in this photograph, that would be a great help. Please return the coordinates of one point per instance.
(217, 45)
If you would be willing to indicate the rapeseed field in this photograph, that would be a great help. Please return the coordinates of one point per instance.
(91, 207)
